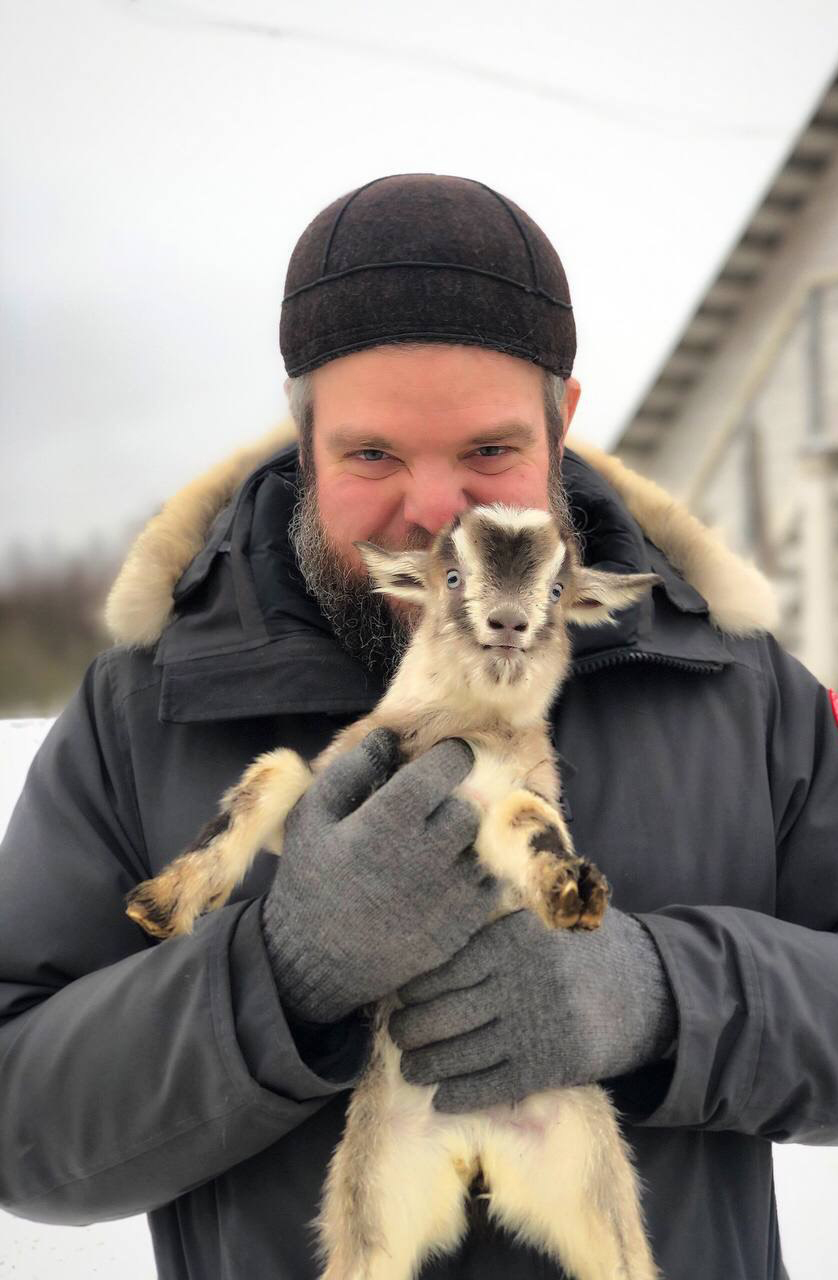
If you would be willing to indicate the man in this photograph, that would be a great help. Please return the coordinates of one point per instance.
(428, 334)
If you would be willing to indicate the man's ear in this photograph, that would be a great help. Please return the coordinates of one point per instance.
(570, 399)
(396, 573)
(286, 387)
(572, 392)
(596, 595)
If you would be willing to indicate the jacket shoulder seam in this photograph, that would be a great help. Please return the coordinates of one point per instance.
(122, 742)
(109, 659)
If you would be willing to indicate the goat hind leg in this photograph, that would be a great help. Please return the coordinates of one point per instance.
(252, 817)
(571, 1192)
(396, 1186)
(414, 1209)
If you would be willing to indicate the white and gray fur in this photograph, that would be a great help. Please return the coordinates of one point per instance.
(491, 648)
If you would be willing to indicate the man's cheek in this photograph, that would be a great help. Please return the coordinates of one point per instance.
(520, 490)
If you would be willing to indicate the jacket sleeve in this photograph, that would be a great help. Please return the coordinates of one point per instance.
(757, 995)
(130, 1072)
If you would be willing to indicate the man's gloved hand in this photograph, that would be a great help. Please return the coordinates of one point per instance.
(377, 881)
(522, 1008)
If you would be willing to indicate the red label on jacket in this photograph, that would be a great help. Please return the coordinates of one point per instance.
(833, 698)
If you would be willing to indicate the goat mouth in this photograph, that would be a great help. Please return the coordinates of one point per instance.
(506, 648)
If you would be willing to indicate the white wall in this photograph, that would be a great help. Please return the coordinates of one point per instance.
(761, 375)
(807, 1178)
(809, 251)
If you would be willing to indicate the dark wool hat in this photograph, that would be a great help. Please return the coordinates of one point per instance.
(418, 257)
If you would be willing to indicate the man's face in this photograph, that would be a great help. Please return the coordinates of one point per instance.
(404, 439)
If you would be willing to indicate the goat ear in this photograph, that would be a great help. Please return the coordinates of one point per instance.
(396, 573)
(597, 595)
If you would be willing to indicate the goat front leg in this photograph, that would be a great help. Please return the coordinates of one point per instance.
(252, 817)
(524, 841)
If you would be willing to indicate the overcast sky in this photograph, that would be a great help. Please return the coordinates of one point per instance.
(159, 158)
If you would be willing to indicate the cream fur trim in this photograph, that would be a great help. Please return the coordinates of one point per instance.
(140, 604)
(740, 598)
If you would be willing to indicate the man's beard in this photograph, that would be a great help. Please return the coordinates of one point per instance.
(365, 624)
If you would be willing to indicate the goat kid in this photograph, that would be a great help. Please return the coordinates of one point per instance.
(491, 648)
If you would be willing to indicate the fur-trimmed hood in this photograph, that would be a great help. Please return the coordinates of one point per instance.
(141, 603)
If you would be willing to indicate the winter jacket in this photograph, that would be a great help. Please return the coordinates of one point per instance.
(700, 766)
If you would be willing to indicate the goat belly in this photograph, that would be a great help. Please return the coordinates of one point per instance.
(531, 1167)
(541, 1131)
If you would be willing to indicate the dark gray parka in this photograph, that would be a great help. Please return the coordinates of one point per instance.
(701, 774)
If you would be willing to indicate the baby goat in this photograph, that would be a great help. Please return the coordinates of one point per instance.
(497, 589)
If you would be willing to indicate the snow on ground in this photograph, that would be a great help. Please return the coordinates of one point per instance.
(19, 740)
(806, 1177)
(32, 1251)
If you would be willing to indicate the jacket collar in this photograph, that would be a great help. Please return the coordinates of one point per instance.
(247, 640)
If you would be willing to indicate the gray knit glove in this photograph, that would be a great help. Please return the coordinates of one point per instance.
(522, 1008)
(377, 881)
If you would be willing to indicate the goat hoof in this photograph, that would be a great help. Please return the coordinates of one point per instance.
(152, 911)
(594, 892)
(572, 893)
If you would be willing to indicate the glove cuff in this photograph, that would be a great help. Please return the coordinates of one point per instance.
(650, 1022)
(304, 978)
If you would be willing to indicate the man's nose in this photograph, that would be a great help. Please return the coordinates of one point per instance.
(433, 500)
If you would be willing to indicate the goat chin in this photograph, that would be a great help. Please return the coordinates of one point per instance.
(476, 687)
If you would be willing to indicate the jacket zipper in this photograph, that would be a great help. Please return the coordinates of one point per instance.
(586, 665)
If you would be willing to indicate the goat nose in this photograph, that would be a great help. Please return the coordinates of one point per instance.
(507, 619)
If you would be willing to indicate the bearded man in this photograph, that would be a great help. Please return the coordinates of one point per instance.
(428, 335)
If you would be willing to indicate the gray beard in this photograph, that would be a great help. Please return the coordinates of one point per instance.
(363, 623)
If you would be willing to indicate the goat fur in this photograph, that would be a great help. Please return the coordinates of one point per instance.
(557, 1172)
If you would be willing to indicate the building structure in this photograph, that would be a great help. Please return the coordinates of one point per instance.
(741, 420)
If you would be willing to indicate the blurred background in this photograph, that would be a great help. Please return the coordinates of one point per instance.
(159, 158)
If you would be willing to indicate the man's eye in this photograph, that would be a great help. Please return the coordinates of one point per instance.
(497, 450)
(380, 455)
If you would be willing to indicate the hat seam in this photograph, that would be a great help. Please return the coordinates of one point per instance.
(370, 330)
(341, 211)
(503, 344)
(361, 335)
(450, 266)
(521, 231)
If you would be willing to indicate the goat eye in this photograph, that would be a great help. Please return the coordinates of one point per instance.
(556, 590)
(452, 578)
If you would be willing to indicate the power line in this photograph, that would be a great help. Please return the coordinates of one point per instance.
(652, 118)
